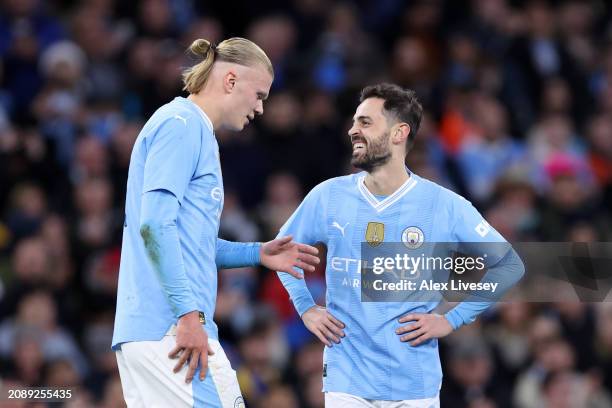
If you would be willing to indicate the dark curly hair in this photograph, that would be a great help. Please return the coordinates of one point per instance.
(400, 105)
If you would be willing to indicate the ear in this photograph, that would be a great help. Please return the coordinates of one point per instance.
(229, 81)
(401, 132)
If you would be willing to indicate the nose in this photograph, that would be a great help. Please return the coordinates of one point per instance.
(353, 131)
(259, 108)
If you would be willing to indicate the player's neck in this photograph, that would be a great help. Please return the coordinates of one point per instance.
(385, 180)
(210, 108)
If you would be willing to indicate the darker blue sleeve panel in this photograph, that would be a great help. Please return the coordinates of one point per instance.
(237, 254)
(158, 229)
(506, 273)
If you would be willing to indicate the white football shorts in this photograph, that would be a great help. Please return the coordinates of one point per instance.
(148, 380)
(342, 400)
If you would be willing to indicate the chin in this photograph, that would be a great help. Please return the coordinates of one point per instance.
(236, 127)
(356, 162)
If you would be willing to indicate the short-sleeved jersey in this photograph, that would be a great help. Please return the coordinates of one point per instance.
(175, 151)
(371, 361)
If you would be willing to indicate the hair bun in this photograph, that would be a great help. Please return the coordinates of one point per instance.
(201, 47)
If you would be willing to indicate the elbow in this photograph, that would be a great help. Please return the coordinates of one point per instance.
(520, 267)
(150, 226)
(146, 230)
(147, 233)
(521, 271)
(147, 226)
(149, 239)
(149, 229)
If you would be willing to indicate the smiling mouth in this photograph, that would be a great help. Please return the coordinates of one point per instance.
(359, 144)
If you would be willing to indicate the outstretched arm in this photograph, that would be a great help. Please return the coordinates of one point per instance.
(281, 254)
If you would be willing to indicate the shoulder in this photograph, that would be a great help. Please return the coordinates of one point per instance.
(180, 110)
(445, 194)
(326, 186)
(452, 197)
(448, 201)
(178, 113)
(175, 119)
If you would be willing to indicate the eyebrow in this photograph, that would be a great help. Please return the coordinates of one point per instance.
(361, 118)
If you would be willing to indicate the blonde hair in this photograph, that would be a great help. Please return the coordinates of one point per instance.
(235, 50)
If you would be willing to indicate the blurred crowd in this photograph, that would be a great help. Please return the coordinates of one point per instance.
(518, 100)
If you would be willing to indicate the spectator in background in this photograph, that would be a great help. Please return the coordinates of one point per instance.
(59, 105)
(283, 195)
(121, 144)
(276, 35)
(513, 208)
(37, 312)
(258, 371)
(26, 361)
(509, 338)
(26, 30)
(472, 377)
(28, 210)
(104, 76)
(551, 138)
(571, 198)
(485, 154)
(279, 396)
(30, 267)
(345, 56)
(236, 224)
(98, 223)
(599, 135)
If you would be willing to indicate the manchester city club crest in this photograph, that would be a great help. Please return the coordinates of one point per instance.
(413, 237)
(375, 233)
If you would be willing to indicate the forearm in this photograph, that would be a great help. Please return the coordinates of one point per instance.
(237, 254)
(506, 273)
(159, 232)
(298, 292)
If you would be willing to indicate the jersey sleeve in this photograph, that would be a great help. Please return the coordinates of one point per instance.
(307, 225)
(172, 153)
(474, 236)
(159, 232)
(237, 254)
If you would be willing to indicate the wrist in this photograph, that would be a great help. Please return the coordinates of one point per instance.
(190, 317)
(257, 253)
(313, 307)
(452, 320)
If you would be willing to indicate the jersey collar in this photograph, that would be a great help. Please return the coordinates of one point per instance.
(381, 205)
(207, 121)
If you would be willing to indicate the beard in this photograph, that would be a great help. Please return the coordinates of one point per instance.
(376, 154)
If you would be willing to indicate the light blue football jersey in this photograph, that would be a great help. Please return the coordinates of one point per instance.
(371, 362)
(175, 151)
